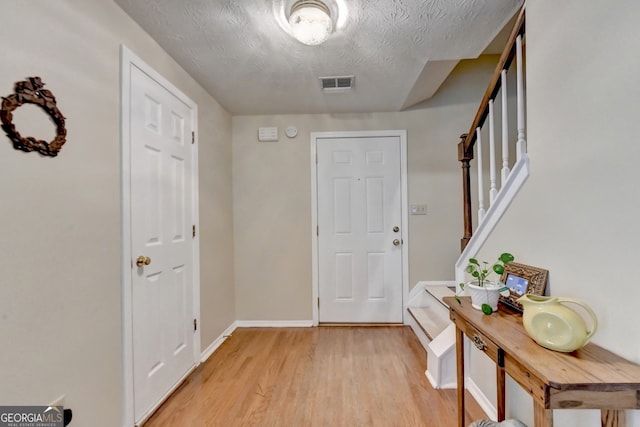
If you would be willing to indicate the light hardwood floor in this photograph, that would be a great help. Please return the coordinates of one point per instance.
(324, 377)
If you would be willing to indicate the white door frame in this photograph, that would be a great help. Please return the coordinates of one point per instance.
(315, 282)
(128, 60)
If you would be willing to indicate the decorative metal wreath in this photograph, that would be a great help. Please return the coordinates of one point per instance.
(31, 91)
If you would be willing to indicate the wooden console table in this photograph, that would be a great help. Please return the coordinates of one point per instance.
(589, 378)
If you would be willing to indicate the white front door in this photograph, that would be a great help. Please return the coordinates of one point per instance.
(161, 128)
(359, 229)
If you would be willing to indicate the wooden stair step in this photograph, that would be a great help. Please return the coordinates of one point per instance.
(439, 292)
(430, 319)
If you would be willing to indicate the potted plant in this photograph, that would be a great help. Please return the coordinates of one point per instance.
(484, 292)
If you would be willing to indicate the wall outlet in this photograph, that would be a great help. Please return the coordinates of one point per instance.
(418, 209)
(59, 401)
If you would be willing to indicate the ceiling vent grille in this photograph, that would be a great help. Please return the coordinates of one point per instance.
(336, 84)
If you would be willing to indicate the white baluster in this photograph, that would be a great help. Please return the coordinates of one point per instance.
(521, 145)
(493, 191)
(505, 129)
(481, 210)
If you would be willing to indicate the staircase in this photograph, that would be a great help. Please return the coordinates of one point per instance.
(429, 314)
(514, 167)
(430, 322)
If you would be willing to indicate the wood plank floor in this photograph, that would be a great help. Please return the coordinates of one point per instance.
(326, 376)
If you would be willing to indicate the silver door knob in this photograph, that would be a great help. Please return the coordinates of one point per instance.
(143, 260)
(396, 242)
(396, 229)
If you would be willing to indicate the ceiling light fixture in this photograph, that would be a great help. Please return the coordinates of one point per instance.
(310, 21)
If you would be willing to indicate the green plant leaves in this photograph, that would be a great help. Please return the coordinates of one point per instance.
(476, 270)
(486, 309)
(506, 257)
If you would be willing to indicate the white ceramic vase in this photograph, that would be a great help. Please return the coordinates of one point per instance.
(486, 294)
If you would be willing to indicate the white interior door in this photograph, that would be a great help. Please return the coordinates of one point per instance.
(161, 128)
(359, 229)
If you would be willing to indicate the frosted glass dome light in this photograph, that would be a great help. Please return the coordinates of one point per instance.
(310, 21)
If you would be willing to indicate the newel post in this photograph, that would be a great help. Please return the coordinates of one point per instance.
(465, 156)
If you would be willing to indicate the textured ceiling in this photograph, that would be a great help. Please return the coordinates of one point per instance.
(399, 51)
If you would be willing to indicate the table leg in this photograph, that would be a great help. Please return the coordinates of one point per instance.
(500, 380)
(613, 418)
(542, 417)
(460, 374)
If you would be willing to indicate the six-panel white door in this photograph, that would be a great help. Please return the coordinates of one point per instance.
(161, 221)
(359, 240)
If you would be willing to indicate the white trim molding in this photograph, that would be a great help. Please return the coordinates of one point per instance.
(206, 354)
(274, 323)
(507, 194)
(481, 398)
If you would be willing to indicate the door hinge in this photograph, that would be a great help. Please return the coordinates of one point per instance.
(193, 137)
(193, 231)
(318, 303)
(195, 325)
(317, 230)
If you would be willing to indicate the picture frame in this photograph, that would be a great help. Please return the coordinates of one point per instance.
(522, 279)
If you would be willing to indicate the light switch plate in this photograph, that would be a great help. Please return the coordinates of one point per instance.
(418, 209)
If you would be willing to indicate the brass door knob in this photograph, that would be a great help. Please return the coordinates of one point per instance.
(143, 260)
(396, 242)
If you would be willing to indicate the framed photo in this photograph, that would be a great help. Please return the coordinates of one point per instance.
(522, 279)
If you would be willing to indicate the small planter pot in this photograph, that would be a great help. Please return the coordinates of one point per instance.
(487, 294)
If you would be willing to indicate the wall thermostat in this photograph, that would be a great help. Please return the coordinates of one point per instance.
(291, 131)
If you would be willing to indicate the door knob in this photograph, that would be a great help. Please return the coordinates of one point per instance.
(143, 260)
(396, 242)
(396, 229)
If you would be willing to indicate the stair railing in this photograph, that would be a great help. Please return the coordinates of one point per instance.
(473, 139)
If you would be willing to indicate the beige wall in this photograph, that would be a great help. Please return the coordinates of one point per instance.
(60, 295)
(578, 213)
(60, 286)
(272, 194)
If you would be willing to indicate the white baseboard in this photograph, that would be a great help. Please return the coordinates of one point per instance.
(217, 342)
(437, 386)
(274, 323)
(482, 400)
(431, 380)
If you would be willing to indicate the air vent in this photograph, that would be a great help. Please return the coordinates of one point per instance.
(334, 84)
